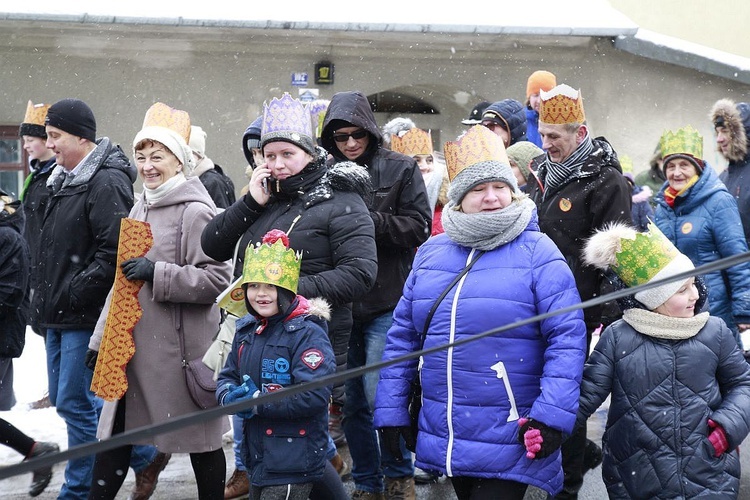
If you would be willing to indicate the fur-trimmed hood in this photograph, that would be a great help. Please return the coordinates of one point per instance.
(736, 118)
(320, 307)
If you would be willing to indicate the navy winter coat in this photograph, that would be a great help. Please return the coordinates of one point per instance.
(473, 395)
(705, 225)
(286, 441)
(513, 112)
(662, 394)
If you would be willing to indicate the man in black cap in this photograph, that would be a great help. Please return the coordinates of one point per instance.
(475, 117)
(91, 191)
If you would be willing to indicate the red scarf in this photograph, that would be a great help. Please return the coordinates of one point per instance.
(671, 194)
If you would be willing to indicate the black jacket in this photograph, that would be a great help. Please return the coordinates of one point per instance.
(322, 211)
(219, 186)
(398, 206)
(35, 197)
(598, 196)
(80, 233)
(14, 283)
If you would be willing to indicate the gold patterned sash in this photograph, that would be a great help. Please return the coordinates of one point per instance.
(117, 348)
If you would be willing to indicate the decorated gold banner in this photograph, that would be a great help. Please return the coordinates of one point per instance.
(117, 348)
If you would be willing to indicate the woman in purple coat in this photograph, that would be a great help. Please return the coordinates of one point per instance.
(483, 400)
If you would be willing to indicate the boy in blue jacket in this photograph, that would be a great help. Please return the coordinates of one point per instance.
(281, 342)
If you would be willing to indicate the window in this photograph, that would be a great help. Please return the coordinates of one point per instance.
(13, 161)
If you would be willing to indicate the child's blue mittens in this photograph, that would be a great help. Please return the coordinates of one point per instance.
(248, 390)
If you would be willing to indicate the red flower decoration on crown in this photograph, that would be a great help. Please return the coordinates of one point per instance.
(275, 235)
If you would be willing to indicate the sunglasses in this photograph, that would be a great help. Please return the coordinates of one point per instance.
(357, 134)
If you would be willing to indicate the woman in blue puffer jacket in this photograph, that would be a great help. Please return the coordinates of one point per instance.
(483, 398)
(697, 213)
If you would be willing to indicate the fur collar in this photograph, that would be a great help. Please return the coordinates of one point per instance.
(726, 111)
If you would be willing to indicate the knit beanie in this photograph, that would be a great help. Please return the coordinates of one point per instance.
(198, 140)
(477, 157)
(475, 116)
(251, 140)
(74, 117)
(33, 121)
(638, 258)
(521, 154)
(287, 119)
(173, 141)
(540, 80)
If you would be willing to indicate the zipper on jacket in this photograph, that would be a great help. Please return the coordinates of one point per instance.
(449, 371)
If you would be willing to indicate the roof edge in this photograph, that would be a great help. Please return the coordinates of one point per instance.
(652, 45)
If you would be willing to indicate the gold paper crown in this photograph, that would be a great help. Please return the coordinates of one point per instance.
(477, 145)
(686, 141)
(36, 113)
(563, 104)
(272, 261)
(414, 142)
(640, 258)
(161, 115)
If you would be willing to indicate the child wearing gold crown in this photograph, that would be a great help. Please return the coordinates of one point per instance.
(679, 386)
(281, 342)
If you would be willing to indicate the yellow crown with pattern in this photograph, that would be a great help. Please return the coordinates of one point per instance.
(561, 105)
(626, 163)
(414, 142)
(686, 141)
(36, 113)
(477, 145)
(161, 115)
(272, 261)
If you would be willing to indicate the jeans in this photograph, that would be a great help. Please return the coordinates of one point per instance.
(70, 392)
(237, 437)
(369, 462)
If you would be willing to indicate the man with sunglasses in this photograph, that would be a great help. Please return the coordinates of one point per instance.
(507, 119)
(401, 212)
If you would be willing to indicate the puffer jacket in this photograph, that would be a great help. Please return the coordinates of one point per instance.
(286, 441)
(705, 225)
(473, 395)
(80, 232)
(736, 177)
(663, 392)
(398, 205)
(14, 283)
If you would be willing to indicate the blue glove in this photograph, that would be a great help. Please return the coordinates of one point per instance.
(248, 390)
(139, 268)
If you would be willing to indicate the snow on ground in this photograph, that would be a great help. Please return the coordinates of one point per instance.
(30, 384)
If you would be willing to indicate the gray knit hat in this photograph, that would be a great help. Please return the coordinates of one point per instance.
(479, 156)
(479, 173)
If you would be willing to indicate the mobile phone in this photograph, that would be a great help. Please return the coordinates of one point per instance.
(264, 183)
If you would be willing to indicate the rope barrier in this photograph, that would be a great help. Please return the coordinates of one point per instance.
(173, 424)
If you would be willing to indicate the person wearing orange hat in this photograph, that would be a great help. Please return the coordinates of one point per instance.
(538, 81)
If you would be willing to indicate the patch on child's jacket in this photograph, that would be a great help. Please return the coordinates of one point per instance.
(312, 358)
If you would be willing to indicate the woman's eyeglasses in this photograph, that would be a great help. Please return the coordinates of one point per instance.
(357, 134)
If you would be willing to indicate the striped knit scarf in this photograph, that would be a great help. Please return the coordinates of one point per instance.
(553, 175)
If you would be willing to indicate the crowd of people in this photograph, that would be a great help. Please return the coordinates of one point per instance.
(352, 244)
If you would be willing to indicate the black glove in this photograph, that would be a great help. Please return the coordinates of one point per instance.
(90, 359)
(539, 439)
(139, 268)
(391, 440)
